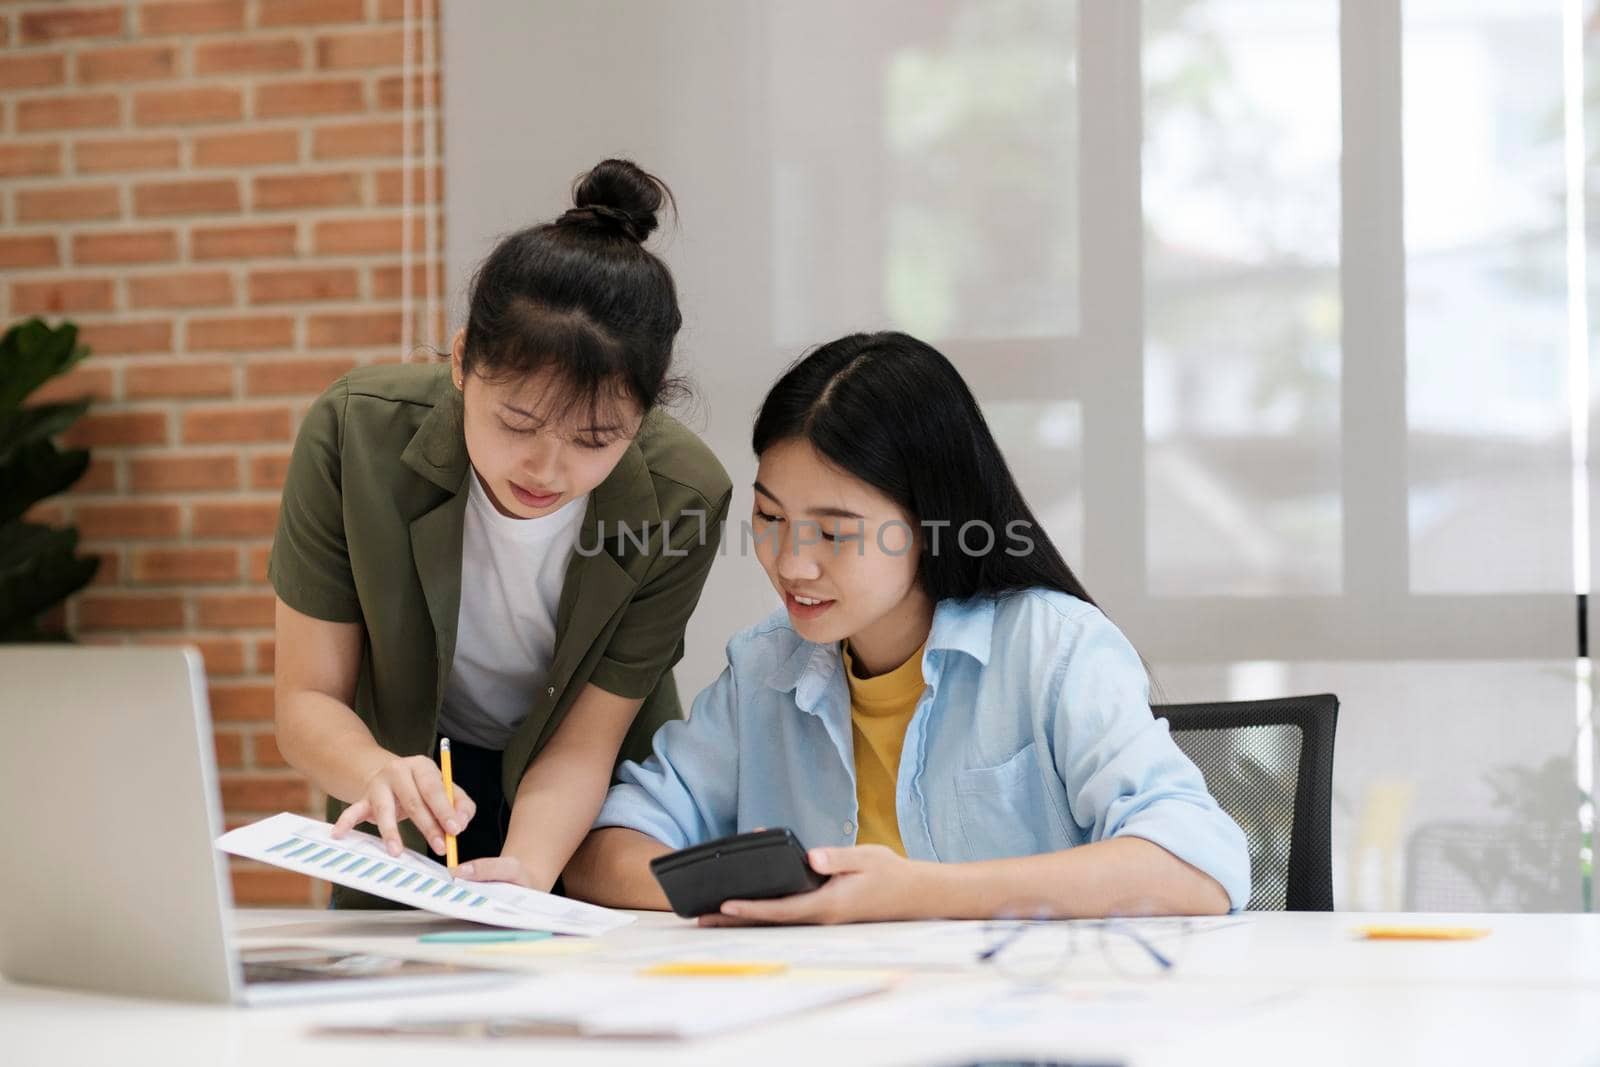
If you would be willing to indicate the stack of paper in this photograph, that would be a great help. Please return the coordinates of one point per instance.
(360, 861)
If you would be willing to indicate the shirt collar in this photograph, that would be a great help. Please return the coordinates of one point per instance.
(438, 450)
(963, 626)
(958, 626)
(808, 666)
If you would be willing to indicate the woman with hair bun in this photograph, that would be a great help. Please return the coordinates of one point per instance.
(502, 549)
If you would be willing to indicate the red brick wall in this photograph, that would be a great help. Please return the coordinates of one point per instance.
(215, 190)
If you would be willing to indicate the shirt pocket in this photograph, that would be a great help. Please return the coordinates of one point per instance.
(1007, 810)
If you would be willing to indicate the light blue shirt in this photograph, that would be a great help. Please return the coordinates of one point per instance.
(1034, 734)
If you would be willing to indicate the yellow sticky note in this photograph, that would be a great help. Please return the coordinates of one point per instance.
(713, 969)
(1422, 933)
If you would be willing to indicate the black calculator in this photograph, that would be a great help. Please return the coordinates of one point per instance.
(752, 866)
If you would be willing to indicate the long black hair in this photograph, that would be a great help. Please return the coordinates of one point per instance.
(582, 295)
(892, 411)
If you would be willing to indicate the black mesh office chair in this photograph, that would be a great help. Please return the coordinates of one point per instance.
(1269, 763)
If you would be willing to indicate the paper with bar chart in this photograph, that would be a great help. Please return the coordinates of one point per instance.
(360, 861)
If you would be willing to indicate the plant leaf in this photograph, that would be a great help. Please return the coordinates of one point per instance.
(22, 541)
(21, 632)
(32, 353)
(35, 471)
(23, 425)
(39, 568)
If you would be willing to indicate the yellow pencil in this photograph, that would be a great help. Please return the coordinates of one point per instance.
(1421, 933)
(449, 795)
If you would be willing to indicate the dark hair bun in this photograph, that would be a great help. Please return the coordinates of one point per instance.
(618, 196)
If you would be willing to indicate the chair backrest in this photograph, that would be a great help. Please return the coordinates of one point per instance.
(1508, 865)
(1269, 764)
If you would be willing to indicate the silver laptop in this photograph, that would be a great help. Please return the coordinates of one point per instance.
(109, 879)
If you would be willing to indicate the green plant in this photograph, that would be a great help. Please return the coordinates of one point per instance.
(39, 564)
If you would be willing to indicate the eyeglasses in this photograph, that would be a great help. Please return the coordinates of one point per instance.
(1032, 947)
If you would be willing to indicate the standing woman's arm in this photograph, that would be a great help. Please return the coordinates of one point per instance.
(314, 688)
(561, 792)
(686, 792)
(319, 733)
(319, 643)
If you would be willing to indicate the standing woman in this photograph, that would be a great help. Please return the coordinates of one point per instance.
(503, 550)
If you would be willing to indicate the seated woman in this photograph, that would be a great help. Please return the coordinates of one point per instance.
(940, 710)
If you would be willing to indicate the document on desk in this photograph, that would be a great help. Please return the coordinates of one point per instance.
(360, 861)
(1092, 1013)
(898, 946)
(609, 1006)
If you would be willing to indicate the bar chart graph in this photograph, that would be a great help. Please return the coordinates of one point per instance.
(360, 861)
(311, 853)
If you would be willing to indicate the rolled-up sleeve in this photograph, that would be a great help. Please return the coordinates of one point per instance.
(1124, 774)
(687, 790)
(648, 640)
(309, 567)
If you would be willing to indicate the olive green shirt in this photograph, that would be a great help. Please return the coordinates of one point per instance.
(370, 531)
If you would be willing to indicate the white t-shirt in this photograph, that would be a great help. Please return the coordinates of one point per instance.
(511, 576)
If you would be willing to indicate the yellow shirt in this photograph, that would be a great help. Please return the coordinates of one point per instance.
(880, 710)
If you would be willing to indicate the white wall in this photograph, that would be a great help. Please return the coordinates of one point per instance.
(1271, 306)
(538, 92)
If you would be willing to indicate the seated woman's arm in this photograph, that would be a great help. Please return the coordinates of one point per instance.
(871, 883)
(1124, 874)
(1159, 844)
(685, 793)
(612, 868)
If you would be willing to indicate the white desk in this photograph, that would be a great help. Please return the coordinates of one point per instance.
(1295, 989)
